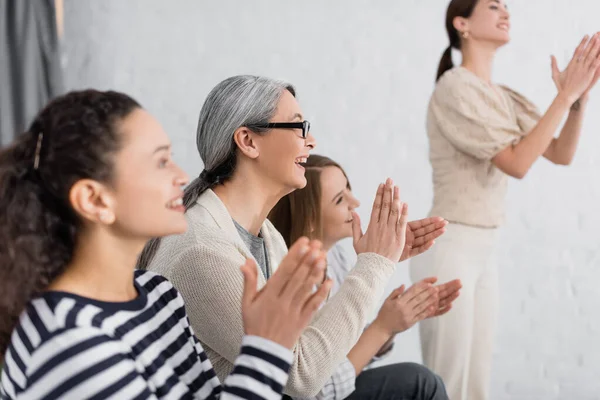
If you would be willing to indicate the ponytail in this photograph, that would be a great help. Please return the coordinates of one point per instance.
(36, 238)
(445, 63)
(74, 137)
(456, 8)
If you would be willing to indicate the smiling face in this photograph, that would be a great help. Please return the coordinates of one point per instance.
(337, 204)
(322, 210)
(489, 23)
(147, 190)
(283, 151)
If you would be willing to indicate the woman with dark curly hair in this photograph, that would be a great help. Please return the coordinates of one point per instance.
(77, 189)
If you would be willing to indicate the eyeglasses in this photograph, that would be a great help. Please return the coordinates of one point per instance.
(304, 125)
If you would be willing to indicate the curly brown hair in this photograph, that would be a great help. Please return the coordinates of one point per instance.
(75, 137)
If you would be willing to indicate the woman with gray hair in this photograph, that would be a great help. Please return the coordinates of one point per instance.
(253, 140)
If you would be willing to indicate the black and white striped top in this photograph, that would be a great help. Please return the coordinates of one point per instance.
(71, 347)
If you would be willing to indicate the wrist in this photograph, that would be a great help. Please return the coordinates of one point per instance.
(387, 346)
(565, 99)
(582, 101)
(380, 329)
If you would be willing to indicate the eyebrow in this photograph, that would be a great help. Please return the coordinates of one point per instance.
(297, 115)
(165, 147)
(337, 194)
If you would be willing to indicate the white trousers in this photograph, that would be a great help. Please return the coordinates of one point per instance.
(458, 346)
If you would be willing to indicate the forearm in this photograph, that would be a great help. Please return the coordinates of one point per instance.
(338, 325)
(527, 151)
(369, 344)
(562, 149)
(386, 347)
(322, 346)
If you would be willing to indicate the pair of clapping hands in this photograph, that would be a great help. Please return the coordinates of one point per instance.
(285, 305)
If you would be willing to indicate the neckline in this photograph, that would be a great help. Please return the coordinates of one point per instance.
(136, 304)
(498, 92)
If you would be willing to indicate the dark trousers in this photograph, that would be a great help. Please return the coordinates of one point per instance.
(402, 381)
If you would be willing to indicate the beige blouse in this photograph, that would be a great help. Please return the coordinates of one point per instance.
(468, 123)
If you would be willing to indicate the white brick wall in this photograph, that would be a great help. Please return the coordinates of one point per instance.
(364, 71)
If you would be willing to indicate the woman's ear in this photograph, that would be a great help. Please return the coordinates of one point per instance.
(91, 201)
(460, 24)
(244, 138)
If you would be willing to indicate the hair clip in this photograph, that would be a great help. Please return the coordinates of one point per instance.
(38, 150)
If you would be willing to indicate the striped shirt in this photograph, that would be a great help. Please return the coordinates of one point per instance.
(71, 347)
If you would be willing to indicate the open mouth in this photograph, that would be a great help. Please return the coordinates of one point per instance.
(301, 161)
(176, 204)
(504, 27)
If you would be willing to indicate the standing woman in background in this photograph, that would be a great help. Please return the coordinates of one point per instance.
(481, 133)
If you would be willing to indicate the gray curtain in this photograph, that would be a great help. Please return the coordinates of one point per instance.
(30, 68)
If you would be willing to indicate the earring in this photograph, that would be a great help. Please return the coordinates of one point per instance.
(105, 217)
(465, 35)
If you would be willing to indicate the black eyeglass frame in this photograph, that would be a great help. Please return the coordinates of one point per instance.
(304, 125)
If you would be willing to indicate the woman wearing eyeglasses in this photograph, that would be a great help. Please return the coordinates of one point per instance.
(480, 134)
(76, 320)
(253, 140)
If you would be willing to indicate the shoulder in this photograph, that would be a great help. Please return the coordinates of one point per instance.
(203, 230)
(155, 285)
(43, 340)
(204, 242)
(63, 360)
(457, 87)
(144, 277)
(199, 264)
(455, 78)
(518, 98)
(512, 92)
